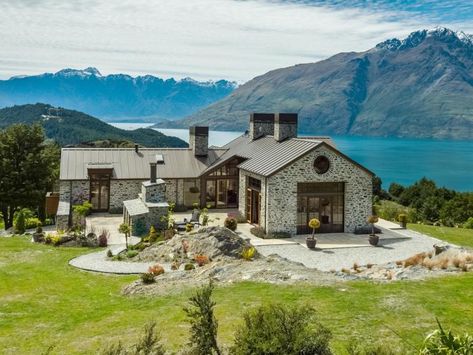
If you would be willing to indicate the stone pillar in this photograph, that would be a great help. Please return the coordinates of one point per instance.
(261, 124)
(285, 126)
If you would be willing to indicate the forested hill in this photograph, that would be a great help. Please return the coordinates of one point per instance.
(69, 127)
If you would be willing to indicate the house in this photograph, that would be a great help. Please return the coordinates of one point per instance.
(277, 180)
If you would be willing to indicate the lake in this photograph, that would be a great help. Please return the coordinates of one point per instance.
(448, 163)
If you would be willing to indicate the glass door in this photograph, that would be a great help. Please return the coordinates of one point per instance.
(100, 192)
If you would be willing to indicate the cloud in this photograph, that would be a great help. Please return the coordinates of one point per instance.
(205, 39)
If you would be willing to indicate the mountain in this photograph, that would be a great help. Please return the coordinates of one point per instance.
(421, 86)
(68, 127)
(114, 97)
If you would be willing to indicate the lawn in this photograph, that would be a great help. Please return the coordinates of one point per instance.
(459, 236)
(45, 302)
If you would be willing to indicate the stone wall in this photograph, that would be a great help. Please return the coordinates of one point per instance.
(153, 192)
(123, 190)
(282, 190)
(175, 191)
(63, 215)
(243, 181)
(75, 191)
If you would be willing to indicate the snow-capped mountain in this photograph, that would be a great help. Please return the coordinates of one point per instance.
(114, 96)
(419, 86)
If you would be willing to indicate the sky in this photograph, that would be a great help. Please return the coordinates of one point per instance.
(205, 39)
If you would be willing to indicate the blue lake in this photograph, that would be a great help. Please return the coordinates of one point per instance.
(448, 163)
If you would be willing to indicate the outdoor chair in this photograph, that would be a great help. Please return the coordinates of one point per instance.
(195, 220)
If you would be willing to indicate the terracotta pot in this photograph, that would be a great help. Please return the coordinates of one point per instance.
(403, 224)
(311, 242)
(374, 239)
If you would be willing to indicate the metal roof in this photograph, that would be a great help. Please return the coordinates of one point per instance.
(268, 156)
(128, 164)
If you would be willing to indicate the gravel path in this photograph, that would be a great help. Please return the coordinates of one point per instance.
(98, 262)
(388, 250)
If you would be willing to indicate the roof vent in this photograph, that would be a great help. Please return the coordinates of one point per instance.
(159, 159)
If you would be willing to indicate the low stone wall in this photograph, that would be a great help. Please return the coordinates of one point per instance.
(63, 215)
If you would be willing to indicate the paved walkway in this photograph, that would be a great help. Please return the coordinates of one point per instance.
(99, 262)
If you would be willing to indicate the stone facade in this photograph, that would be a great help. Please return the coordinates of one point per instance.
(75, 191)
(153, 192)
(281, 199)
(279, 192)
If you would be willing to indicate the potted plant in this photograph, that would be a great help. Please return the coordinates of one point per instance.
(402, 219)
(311, 241)
(374, 239)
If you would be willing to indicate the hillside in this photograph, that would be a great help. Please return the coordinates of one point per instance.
(421, 87)
(114, 97)
(68, 127)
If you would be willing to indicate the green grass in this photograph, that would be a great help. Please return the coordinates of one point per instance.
(459, 236)
(44, 302)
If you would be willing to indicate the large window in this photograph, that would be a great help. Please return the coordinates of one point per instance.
(221, 187)
(324, 201)
(191, 192)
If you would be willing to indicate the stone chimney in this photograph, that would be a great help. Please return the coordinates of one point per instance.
(285, 126)
(261, 124)
(199, 140)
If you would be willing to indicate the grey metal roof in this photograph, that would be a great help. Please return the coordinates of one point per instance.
(267, 156)
(127, 164)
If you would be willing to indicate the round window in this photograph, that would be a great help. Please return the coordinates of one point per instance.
(321, 164)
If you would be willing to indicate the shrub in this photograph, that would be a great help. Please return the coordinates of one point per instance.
(48, 238)
(153, 235)
(20, 223)
(201, 260)
(131, 253)
(32, 223)
(109, 253)
(445, 342)
(231, 223)
(147, 278)
(258, 232)
(469, 223)
(39, 229)
(56, 240)
(156, 270)
(248, 253)
(189, 227)
(189, 266)
(280, 329)
(204, 326)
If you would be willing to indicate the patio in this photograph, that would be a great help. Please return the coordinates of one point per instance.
(334, 250)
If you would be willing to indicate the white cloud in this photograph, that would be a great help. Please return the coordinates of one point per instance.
(204, 39)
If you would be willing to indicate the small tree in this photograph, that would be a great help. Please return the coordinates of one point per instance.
(314, 223)
(81, 211)
(372, 220)
(153, 235)
(168, 219)
(125, 229)
(203, 323)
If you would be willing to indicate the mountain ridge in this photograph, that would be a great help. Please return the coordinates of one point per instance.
(71, 127)
(114, 96)
(420, 86)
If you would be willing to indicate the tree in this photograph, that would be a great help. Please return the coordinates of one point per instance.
(395, 189)
(27, 168)
(203, 323)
